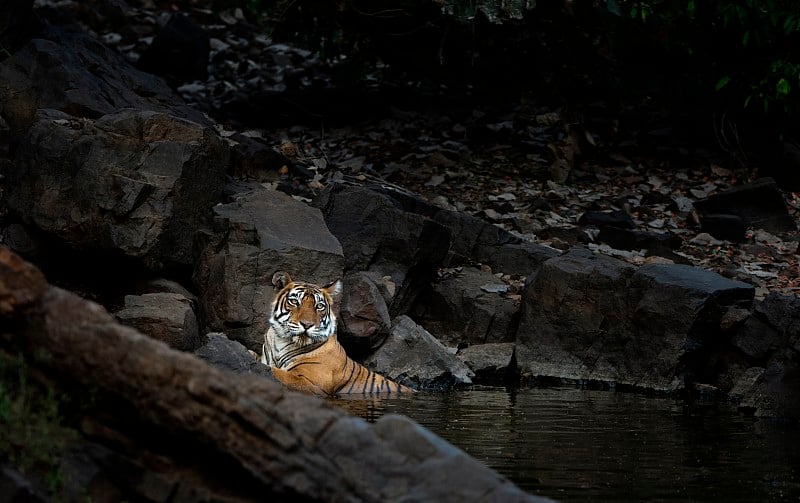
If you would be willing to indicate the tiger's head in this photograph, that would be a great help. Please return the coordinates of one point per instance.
(303, 312)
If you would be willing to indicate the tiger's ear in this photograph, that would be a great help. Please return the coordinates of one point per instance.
(334, 290)
(280, 279)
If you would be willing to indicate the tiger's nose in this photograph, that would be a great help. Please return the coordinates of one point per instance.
(307, 324)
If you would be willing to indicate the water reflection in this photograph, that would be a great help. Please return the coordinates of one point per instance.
(577, 445)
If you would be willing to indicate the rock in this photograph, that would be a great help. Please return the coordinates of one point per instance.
(179, 52)
(616, 218)
(140, 183)
(724, 226)
(413, 356)
(167, 317)
(591, 317)
(782, 312)
(260, 232)
(229, 355)
(363, 317)
(459, 311)
(477, 241)
(180, 430)
(757, 340)
(773, 391)
(759, 204)
(491, 362)
(377, 236)
(254, 159)
(74, 73)
(656, 243)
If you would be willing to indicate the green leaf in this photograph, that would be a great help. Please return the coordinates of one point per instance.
(722, 83)
(783, 87)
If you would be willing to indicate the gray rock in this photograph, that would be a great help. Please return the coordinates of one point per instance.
(74, 73)
(475, 240)
(260, 232)
(379, 237)
(363, 317)
(757, 340)
(229, 355)
(782, 312)
(141, 183)
(414, 357)
(460, 311)
(775, 390)
(593, 317)
(758, 204)
(490, 361)
(167, 317)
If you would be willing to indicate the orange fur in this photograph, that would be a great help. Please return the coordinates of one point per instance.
(302, 349)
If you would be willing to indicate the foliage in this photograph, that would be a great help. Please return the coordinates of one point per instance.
(496, 11)
(751, 45)
(33, 437)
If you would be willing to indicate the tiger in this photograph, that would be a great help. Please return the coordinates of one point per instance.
(302, 349)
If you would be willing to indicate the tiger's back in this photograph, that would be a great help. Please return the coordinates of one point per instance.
(302, 349)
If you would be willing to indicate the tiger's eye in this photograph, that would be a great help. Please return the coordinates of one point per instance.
(321, 306)
(293, 301)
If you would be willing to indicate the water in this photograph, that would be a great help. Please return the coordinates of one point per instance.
(574, 444)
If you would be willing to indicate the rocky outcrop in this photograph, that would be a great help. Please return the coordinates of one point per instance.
(591, 317)
(478, 241)
(70, 71)
(167, 317)
(469, 307)
(491, 362)
(412, 356)
(260, 232)
(377, 236)
(214, 435)
(138, 183)
(232, 356)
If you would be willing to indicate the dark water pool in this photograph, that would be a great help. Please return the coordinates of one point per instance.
(575, 444)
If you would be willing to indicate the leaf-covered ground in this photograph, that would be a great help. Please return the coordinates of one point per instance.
(525, 166)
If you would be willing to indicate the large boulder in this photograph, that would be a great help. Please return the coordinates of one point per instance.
(411, 355)
(72, 72)
(475, 240)
(162, 425)
(592, 317)
(364, 320)
(259, 232)
(167, 317)
(232, 356)
(378, 236)
(469, 307)
(136, 182)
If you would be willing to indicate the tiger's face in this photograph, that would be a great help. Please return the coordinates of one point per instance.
(303, 312)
